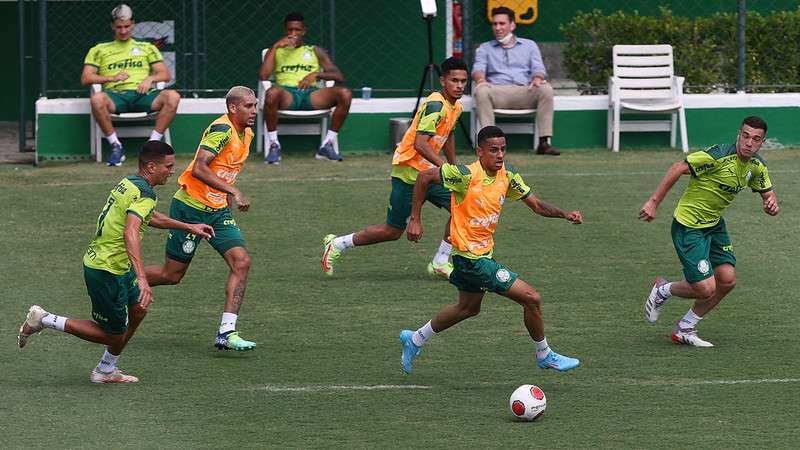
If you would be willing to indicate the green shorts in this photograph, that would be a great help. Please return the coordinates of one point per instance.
(182, 245)
(111, 296)
(400, 201)
(132, 101)
(481, 275)
(301, 98)
(702, 249)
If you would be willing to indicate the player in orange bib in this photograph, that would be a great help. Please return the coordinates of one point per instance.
(430, 134)
(478, 192)
(206, 190)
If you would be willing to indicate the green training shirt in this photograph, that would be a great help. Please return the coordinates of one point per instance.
(293, 64)
(717, 175)
(133, 195)
(132, 56)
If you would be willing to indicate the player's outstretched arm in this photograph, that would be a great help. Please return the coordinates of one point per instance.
(545, 209)
(424, 179)
(648, 211)
(163, 221)
(769, 201)
(133, 246)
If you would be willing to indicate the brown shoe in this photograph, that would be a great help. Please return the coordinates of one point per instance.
(547, 149)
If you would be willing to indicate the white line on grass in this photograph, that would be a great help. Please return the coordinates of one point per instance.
(765, 380)
(336, 387)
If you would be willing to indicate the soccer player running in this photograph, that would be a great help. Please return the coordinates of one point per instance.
(698, 228)
(112, 266)
(206, 191)
(479, 191)
(430, 132)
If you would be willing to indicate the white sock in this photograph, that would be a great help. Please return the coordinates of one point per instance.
(542, 349)
(107, 363)
(113, 139)
(689, 320)
(273, 136)
(344, 242)
(331, 136)
(665, 290)
(421, 336)
(156, 136)
(55, 322)
(228, 322)
(443, 254)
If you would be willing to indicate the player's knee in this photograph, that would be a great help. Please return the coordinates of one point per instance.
(172, 97)
(242, 264)
(173, 277)
(98, 100)
(532, 298)
(392, 233)
(344, 96)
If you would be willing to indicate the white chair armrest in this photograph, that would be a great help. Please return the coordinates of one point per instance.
(263, 87)
(613, 90)
(677, 84)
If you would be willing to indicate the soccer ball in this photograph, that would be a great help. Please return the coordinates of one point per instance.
(528, 402)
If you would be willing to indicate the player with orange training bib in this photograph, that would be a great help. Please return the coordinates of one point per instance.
(478, 193)
(206, 191)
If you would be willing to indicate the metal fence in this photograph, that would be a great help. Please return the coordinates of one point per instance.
(211, 45)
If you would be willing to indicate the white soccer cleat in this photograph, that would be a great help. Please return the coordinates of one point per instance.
(654, 302)
(688, 336)
(116, 376)
(32, 324)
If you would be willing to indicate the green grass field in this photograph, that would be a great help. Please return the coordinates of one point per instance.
(327, 372)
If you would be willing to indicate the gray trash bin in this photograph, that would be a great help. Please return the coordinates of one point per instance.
(397, 128)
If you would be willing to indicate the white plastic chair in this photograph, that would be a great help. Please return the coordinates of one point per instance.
(525, 127)
(124, 131)
(644, 83)
(307, 129)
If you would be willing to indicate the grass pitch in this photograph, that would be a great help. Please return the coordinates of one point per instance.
(327, 372)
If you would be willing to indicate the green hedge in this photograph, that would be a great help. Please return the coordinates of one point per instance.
(704, 48)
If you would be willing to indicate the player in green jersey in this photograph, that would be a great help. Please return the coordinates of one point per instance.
(698, 229)
(113, 270)
(297, 68)
(128, 70)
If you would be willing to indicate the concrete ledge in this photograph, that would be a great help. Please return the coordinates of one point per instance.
(406, 104)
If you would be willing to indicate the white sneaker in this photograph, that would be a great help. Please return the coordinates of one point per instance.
(32, 324)
(440, 270)
(116, 376)
(688, 336)
(654, 302)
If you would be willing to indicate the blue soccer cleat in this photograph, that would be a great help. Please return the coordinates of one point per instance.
(555, 361)
(410, 350)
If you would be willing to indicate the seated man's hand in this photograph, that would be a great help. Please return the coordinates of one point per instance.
(121, 76)
(286, 41)
(308, 80)
(144, 86)
(536, 82)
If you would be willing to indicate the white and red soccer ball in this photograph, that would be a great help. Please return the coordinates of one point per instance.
(528, 402)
